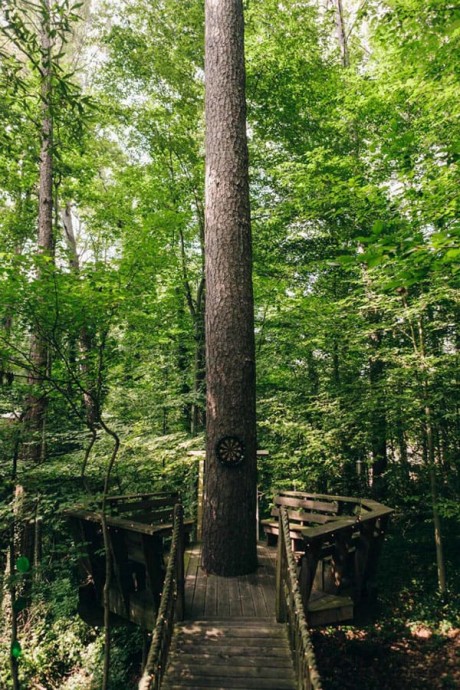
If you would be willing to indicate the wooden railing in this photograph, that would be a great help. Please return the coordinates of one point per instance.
(289, 608)
(171, 609)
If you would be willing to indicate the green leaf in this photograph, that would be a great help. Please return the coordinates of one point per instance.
(23, 564)
(16, 650)
(19, 605)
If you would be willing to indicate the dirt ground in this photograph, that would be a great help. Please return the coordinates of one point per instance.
(357, 659)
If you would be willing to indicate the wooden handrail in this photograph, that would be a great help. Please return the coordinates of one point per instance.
(289, 608)
(171, 608)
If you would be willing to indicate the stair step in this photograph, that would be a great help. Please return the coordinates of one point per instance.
(245, 657)
(250, 649)
(219, 654)
(197, 669)
(224, 683)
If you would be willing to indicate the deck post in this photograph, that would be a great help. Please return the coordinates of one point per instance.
(281, 565)
(180, 579)
(308, 568)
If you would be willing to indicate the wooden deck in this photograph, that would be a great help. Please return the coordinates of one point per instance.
(250, 596)
(230, 638)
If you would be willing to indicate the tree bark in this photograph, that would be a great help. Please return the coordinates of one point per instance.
(85, 341)
(341, 33)
(229, 521)
(36, 403)
(378, 412)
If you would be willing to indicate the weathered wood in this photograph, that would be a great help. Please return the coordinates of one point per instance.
(137, 555)
(172, 496)
(249, 658)
(328, 609)
(241, 653)
(281, 565)
(343, 551)
(244, 596)
(306, 504)
(224, 683)
(306, 517)
(308, 565)
(126, 523)
(120, 566)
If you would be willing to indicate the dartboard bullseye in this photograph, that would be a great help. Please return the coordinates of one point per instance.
(230, 451)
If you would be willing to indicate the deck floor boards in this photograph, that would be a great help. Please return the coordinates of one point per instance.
(210, 596)
(230, 638)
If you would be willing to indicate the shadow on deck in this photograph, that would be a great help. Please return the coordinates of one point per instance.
(230, 638)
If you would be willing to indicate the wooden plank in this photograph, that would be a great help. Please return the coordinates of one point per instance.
(216, 632)
(247, 602)
(259, 586)
(255, 581)
(252, 622)
(234, 599)
(299, 502)
(308, 567)
(310, 533)
(120, 563)
(143, 496)
(196, 669)
(250, 647)
(266, 577)
(154, 565)
(147, 504)
(190, 580)
(124, 523)
(224, 683)
(306, 517)
(243, 656)
(328, 609)
(223, 598)
(294, 529)
(200, 593)
(210, 603)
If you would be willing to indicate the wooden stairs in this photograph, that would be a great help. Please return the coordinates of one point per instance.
(243, 653)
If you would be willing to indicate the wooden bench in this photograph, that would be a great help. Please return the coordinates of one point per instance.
(336, 541)
(304, 511)
(138, 526)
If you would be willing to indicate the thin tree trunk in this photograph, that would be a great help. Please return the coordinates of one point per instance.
(15, 525)
(378, 414)
(198, 416)
(85, 343)
(36, 403)
(440, 562)
(341, 32)
(229, 520)
(429, 457)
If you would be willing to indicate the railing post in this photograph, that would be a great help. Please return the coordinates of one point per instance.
(281, 565)
(308, 569)
(180, 580)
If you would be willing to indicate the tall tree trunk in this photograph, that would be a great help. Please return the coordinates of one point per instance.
(229, 521)
(440, 562)
(85, 341)
(198, 415)
(341, 32)
(36, 404)
(378, 413)
(429, 456)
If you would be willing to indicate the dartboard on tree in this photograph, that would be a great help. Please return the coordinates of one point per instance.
(230, 451)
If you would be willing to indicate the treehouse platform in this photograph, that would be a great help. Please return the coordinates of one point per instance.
(139, 529)
(243, 632)
(229, 637)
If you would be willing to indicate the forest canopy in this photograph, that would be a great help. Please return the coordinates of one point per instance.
(353, 134)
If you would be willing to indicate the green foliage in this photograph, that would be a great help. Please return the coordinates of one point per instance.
(354, 192)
